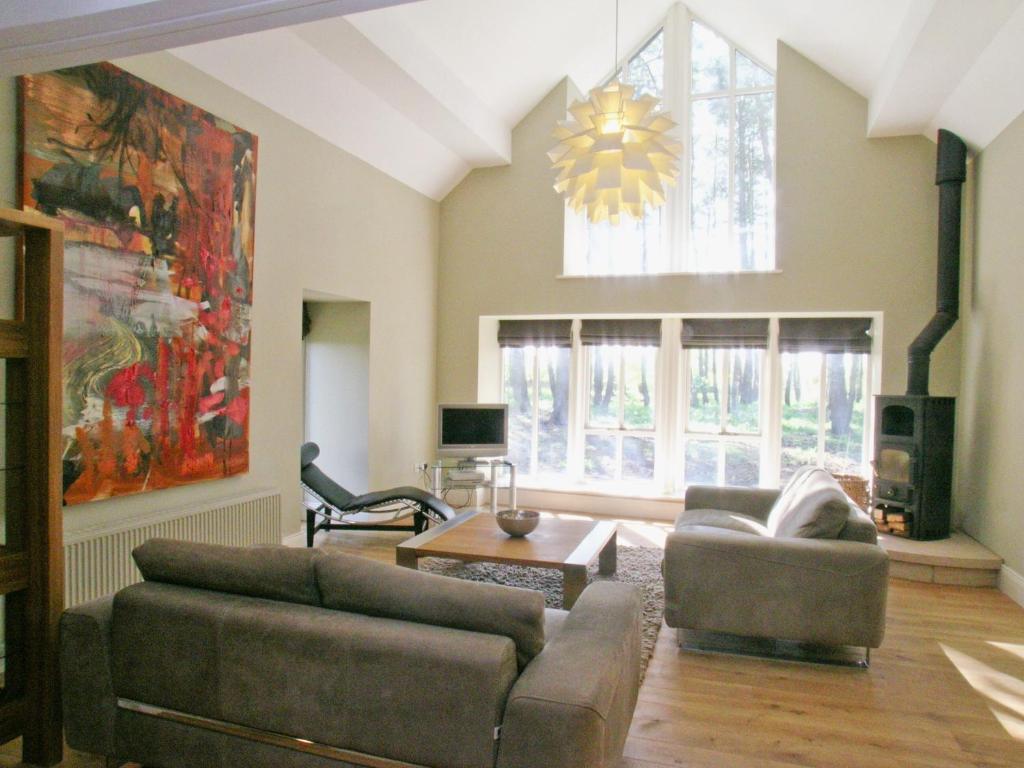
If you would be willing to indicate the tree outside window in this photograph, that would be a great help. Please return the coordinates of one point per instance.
(619, 438)
(631, 246)
(721, 215)
(722, 431)
(823, 411)
(732, 158)
(535, 383)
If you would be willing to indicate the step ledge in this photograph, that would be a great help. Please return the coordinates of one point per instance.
(958, 551)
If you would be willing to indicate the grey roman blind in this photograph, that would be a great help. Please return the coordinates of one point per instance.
(725, 333)
(535, 333)
(825, 334)
(640, 333)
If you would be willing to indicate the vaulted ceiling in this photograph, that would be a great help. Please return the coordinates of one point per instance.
(428, 90)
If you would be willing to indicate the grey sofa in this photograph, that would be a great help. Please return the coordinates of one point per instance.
(802, 564)
(292, 657)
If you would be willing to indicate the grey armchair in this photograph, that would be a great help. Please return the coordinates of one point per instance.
(802, 564)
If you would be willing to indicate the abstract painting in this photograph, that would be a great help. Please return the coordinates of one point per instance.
(158, 202)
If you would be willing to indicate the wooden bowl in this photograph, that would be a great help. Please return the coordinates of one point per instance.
(517, 522)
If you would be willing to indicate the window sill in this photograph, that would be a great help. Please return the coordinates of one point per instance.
(649, 275)
(610, 490)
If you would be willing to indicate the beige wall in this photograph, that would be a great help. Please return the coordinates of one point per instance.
(990, 446)
(324, 221)
(856, 232)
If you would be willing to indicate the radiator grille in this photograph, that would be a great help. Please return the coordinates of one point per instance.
(98, 562)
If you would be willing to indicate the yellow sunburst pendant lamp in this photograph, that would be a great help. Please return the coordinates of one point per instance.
(614, 154)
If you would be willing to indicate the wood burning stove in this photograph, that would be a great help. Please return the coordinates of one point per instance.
(913, 476)
(913, 459)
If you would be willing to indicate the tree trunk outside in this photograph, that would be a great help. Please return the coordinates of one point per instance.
(840, 404)
(558, 379)
(520, 387)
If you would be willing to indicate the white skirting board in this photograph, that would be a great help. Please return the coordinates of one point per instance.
(98, 560)
(1011, 584)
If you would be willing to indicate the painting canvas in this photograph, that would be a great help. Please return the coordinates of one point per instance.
(157, 198)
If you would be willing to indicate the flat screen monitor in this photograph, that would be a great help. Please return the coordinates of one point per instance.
(472, 431)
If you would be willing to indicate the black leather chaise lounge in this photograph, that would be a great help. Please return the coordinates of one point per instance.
(328, 504)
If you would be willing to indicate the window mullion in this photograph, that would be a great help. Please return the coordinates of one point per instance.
(683, 419)
(535, 431)
(732, 251)
(822, 395)
(771, 409)
(579, 378)
(723, 393)
(677, 92)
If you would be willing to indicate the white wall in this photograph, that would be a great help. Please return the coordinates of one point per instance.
(338, 390)
(324, 221)
(989, 494)
(857, 223)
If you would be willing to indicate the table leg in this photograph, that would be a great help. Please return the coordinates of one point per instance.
(407, 558)
(574, 581)
(607, 561)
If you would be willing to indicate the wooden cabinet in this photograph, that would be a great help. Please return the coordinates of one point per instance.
(31, 561)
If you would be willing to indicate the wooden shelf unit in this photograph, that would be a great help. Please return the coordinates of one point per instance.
(31, 552)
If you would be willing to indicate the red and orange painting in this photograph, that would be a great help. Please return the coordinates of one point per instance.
(158, 202)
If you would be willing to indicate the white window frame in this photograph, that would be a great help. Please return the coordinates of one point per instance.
(676, 99)
(823, 408)
(621, 431)
(671, 399)
(723, 436)
(731, 93)
(535, 407)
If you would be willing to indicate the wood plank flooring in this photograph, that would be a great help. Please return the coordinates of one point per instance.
(946, 689)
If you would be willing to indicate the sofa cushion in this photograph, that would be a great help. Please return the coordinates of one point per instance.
(789, 490)
(814, 507)
(274, 573)
(359, 585)
(718, 518)
(373, 685)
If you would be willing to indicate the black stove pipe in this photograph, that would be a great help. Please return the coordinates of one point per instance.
(950, 174)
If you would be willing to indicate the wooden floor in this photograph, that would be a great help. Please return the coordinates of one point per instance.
(945, 689)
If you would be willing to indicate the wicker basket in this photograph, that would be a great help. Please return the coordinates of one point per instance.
(857, 488)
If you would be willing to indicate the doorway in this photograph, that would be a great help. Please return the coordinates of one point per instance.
(336, 352)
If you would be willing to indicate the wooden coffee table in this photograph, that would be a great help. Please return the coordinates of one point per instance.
(565, 545)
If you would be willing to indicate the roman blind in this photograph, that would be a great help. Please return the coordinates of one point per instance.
(640, 333)
(535, 333)
(825, 334)
(725, 333)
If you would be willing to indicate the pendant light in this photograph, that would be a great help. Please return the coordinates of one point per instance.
(614, 153)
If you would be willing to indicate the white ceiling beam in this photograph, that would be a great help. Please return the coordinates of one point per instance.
(46, 34)
(391, 60)
(288, 75)
(937, 46)
(991, 95)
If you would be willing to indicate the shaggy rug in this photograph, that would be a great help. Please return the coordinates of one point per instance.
(636, 565)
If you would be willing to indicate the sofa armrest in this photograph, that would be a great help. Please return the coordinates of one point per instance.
(813, 590)
(859, 527)
(755, 502)
(90, 704)
(572, 705)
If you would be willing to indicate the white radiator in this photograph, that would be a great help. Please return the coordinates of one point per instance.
(98, 560)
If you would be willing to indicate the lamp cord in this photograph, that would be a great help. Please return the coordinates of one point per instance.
(615, 64)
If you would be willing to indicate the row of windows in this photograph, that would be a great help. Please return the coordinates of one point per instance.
(721, 215)
(619, 428)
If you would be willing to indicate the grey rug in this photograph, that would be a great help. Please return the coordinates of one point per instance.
(636, 565)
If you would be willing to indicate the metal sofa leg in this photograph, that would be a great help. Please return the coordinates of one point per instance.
(310, 526)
